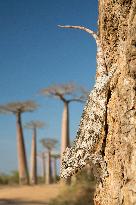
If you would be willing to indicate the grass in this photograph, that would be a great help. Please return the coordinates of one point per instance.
(12, 178)
(78, 193)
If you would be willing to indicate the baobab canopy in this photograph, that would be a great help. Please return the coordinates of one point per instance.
(34, 124)
(15, 107)
(49, 143)
(66, 92)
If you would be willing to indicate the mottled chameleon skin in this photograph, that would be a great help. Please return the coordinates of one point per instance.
(85, 149)
(87, 140)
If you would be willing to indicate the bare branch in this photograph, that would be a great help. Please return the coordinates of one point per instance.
(34, 124)
(59, 91)
(77, 100)
(92, 33)
(48, 143)
(18, 107)
(66, 92)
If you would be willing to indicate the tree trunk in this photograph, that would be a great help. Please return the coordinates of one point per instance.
(22, 163)
(117, 29)
(48, 167)
(65, 141)
(54, 169)
(65, 128)
(43, 167)
(33, 168)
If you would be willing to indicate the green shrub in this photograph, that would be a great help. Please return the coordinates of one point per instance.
(12, 178)
(75, 195)
(40, 180)
(3, 179)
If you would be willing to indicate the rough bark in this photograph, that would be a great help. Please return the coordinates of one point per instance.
(48, 168)
(22, 163)
(33, 168)
(117, 30)
(65, 128)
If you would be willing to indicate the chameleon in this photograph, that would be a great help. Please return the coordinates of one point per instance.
(87, 147)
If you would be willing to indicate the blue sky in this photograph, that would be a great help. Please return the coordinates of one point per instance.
(35, 53)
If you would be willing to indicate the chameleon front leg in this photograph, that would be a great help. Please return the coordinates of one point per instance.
(80, 160)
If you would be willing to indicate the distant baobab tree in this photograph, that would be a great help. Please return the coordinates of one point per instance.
(49, 144)
(34, 125)
(42, 156)
(17, 108)
(54, 157)
(67, 93)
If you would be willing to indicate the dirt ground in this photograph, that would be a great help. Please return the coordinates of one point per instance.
(28, 195)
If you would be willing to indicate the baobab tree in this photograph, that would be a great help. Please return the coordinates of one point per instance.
(34, 125)
(17, 108)
(107, 135)
(54, 157)
(49, 144)
(67, 93)
(42, 156)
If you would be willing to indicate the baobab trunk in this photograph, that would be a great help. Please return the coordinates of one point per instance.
(22, 163)
(65, 128)
(43, 167)
(33, 168)
(65, 141)
(54, 169)
(48, 168)
(117, 30)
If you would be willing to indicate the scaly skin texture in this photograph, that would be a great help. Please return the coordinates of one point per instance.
(87, 148)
